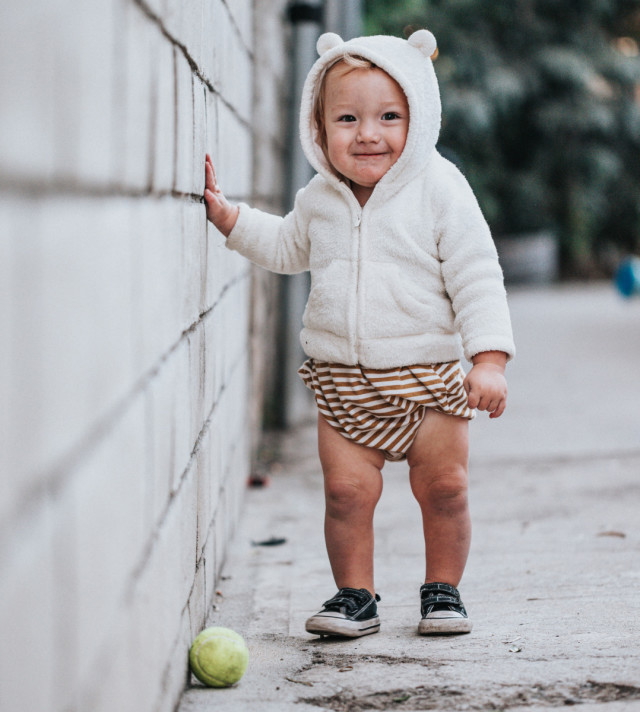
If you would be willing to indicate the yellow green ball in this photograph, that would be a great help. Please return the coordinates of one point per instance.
(219, 657)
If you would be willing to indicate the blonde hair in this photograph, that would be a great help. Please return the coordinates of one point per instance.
(351, 62)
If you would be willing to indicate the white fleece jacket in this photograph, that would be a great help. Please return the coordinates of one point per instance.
(414, 274)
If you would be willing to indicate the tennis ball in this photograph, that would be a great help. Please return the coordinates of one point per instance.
(219, 657)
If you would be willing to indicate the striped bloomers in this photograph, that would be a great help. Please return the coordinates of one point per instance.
(383, 408)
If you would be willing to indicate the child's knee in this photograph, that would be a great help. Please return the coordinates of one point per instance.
(445, 490)
(345, 494)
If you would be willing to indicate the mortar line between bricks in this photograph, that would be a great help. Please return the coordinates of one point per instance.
(27, 186)
(50, 485)
(191, 61)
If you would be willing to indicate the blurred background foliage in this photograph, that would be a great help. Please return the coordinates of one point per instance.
(541, 110)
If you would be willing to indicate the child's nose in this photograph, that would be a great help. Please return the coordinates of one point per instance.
(368, 131)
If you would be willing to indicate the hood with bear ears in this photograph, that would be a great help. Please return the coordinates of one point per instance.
(406, 61)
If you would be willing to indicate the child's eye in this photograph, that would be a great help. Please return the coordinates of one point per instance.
(390, 116)
(347, 117)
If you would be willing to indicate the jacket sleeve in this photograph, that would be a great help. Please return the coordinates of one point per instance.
(470, 269)
(275, 243)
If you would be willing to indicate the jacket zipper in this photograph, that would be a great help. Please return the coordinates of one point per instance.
(357, 234)
(357, 223)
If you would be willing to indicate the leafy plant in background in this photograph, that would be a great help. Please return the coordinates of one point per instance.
(541, 104)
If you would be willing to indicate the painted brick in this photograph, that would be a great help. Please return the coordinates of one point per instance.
(116, 677)
(219, 42)
(164, 115)
(184, 22)
(85, 118)
(193, 261)
(157, 248)
(26, 615)
(161, 446)
(208, 487)
(210, 18)
(124, 360)
(198, 605)
(200, 138)
(237, 61)
(27, 90)
(182, 445)
(64, 593)
(195, 342)
(157, 7)
(72, 358)
(211, 571)
(176, 673)
(6, 253)
(243, 15)
(135, 82)
(24, 352)
(183, 181)
(108, 489)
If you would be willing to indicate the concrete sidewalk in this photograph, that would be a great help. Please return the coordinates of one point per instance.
(553, 580)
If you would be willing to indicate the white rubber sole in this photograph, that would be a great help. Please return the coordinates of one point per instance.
(444, 625)
(326, 624)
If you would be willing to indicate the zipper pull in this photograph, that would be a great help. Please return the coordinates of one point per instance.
(357, 220)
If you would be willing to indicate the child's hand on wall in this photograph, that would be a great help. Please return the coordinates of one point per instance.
(485, 383)
(221, 213)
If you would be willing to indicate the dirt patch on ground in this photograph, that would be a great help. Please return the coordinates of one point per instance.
(342, 660)
(503, 697)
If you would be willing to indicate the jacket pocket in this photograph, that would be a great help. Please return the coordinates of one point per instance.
(395, 304)
(328, 305)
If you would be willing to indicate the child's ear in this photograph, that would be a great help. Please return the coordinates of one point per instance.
(328, 41)
(425, 42)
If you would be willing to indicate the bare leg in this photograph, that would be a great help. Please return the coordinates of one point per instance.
(438, 461)
(352, 485)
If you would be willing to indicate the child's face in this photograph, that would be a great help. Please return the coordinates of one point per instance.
(366, 119)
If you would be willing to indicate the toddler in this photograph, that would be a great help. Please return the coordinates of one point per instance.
(404, 279)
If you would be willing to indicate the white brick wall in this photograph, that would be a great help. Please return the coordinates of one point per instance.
(132, 356)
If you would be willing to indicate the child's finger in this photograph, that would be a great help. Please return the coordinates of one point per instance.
(208, 176)
(500, 409)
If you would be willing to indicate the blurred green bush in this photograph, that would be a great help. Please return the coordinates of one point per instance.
(541, 107)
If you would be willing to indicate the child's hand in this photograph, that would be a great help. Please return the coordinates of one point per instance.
(485, 383)
(221, 213)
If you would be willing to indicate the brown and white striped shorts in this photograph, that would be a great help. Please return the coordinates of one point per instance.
(383, 408)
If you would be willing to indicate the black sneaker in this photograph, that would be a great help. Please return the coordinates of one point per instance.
(442, 610)
(350, 613)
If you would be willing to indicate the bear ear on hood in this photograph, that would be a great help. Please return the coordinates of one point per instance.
(424, 41)
(328, 41)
